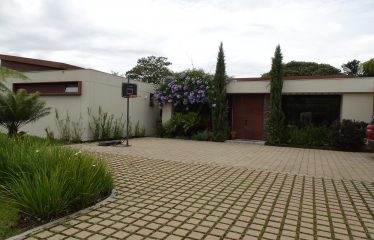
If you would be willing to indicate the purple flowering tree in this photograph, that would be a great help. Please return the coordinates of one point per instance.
(188, 89)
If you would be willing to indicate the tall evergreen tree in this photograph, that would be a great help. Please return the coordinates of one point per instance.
(219, 100)
(275, 121)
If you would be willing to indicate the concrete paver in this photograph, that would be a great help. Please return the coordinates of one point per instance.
(311, 162)
(201, 199)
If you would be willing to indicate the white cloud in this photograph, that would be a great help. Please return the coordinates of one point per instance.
(112, 34)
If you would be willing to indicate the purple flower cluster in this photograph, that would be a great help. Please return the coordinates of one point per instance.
(184, 91)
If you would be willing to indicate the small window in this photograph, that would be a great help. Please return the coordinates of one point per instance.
(71, 87)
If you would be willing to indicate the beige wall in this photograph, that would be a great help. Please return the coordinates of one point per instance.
(167, 112)
(340, 85)
(357, 106)
(98, 89)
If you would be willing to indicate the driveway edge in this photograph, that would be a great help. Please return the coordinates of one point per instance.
(28, 232)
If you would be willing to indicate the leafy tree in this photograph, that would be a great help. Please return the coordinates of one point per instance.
(219, 101)
(275, 121)
(6, 72)
(150, 69)
(298, 68)
(20, 108)
(368, 68)
(352, 67)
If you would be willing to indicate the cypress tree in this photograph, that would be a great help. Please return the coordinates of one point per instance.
(219, 101)
(275, 121)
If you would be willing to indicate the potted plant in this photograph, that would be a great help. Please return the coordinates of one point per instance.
(233, 135)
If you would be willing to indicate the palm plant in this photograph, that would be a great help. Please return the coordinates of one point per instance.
(20, 108)
(6, 72)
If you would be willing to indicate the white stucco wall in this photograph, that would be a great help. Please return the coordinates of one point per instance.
(330, 85)
(167, 112)
(98, 89)
(357, 106)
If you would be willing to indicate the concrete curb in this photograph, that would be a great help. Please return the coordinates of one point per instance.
(33, 230)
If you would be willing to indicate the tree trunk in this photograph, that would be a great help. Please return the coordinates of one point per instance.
(12, 130)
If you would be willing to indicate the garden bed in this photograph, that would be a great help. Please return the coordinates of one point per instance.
(40, 182)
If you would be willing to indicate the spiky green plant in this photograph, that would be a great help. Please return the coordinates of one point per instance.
(275, 121)
(20, 108)
(43, 181)
(6, 72)
(219, 103)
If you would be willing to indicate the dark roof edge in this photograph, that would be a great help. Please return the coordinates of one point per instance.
(32, 61)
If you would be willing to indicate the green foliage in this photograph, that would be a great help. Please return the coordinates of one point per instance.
(275, 120)
(69, 130)
(150, 69)
(63, 126)
(8, 220)
(187, 90)
(308, 136)
(368, 68)
(201, 136)
(104, 126)
(139, 131)
(182, 125)
(20, 108)
(45, 181)
(299, 68)
(118, 128)
(6, 72)
(218, 100)
(50, 134)
(348, 135)
(352, 67)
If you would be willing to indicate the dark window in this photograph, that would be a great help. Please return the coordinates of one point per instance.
(319, 110)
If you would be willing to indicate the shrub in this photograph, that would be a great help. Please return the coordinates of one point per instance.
(310, 136)
(220, 136)
(201, 136)
(182, 124)
(69, 130)
(45, 181)
(186, 89)
(139, 131)
(348, 135)
(20, 108)
(104, 126)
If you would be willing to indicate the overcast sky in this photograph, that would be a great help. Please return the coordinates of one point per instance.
(112, 34)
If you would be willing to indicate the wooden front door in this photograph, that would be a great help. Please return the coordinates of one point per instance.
(248, 116)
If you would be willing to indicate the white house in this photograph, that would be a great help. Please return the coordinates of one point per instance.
(73, 90)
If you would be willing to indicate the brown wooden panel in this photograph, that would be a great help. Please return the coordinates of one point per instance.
(248, 116)
(51, 88)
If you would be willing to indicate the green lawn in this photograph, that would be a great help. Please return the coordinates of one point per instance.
(8, 221)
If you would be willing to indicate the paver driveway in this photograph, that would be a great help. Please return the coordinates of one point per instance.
(189, 199)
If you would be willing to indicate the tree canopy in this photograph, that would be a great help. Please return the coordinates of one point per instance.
(219, 100)
(368, 68)
(275, 120)
(299, 68)
(150, 69)
(352, 67)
